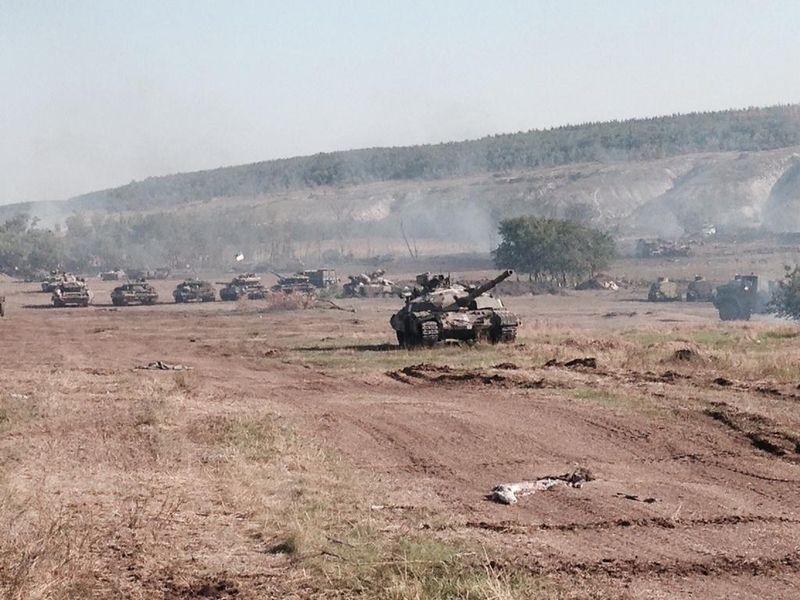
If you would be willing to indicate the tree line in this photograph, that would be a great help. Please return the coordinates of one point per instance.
(736, 130)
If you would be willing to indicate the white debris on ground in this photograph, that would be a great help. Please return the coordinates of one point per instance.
(507, 493)
(160, 365)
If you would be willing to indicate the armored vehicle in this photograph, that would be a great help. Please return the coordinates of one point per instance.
(2, 306)
(160, 273)
(369, 285)
(738, 299)
(194, 290)
(241, 286)
(664, 290)
(306, 282)
(438, 311)
(700, 290)
(115, 275)
(136, 292)
(661, 249)
(72, 293)
(55, 279)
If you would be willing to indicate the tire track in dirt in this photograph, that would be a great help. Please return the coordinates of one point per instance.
(762, 433)
(715, 566)
(509, 527)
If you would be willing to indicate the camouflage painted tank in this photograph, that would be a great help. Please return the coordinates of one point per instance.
(664, 290)
(438, 311)
(243, 286)
(135, 292)
(194, 290)
(72, 293)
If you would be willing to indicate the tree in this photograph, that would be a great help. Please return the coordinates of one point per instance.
(786, 298)
(555, 250)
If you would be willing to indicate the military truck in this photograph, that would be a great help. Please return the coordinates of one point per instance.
(134, 292)
(115, 275)
(306, 282)
(700, 290)
(440, 311)
(159, 273)
(247, 285)
(664, 290)
(194, 290)
(738, 299)
(71, 293)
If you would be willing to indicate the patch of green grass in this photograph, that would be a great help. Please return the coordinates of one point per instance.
(717, 338)
(420, 566)
(649, 338)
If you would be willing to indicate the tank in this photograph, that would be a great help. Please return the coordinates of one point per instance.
(738, 299)
(194, 290)
(55, 279)
(247, 285)
(369, 285)
(700, 290)
(438, 311)
(664, 290)
(71, 293)
(305, 282)
(134, 292)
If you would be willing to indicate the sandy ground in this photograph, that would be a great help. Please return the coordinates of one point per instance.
(697, 482)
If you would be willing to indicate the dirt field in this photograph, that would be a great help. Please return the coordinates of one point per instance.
(304, 455)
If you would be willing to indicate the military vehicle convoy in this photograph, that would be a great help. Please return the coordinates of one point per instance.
(194, 290)
(370, 285)
(738, 299)
(305, 282)
(247, 285)
(134, 292)
(664, 290)
(71, 293)
(439, 311)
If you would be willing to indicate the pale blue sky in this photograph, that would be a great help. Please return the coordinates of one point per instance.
(94, 94)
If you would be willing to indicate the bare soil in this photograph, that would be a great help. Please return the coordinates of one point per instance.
(303, 452)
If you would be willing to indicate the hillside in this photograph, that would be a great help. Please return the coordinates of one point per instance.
(663, 176)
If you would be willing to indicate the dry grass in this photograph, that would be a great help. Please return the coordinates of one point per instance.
(120, 483)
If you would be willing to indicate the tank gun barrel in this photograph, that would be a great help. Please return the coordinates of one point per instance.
(485, 287)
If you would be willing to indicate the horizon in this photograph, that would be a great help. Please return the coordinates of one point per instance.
(204, 87)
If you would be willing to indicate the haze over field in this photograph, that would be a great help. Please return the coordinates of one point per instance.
(97, 96)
